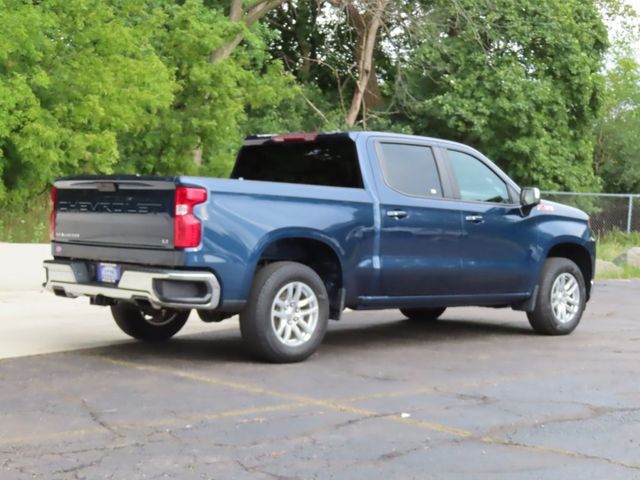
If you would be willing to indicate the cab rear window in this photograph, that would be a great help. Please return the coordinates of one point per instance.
(329, 160)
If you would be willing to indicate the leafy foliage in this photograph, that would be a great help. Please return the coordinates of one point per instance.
(73, 76)
(88, 86)
(102, 86)
(211, 101)
(520, 81)
(617, 153)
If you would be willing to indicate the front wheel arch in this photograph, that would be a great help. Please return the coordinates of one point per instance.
(579, 255)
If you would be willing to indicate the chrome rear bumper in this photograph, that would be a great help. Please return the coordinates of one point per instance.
(137, 284)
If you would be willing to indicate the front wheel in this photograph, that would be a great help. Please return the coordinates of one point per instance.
(423, 314)
(149, 323)
(561, 298)
(287, 312)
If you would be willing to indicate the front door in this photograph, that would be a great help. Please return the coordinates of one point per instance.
(498, 247)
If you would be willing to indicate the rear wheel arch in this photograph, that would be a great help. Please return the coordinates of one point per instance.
(286, 315)
(318, 255)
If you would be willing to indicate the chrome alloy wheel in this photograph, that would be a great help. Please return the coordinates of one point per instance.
(294, 314)
(565, 298)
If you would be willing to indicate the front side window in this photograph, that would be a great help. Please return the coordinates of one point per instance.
(410, 169)
(477, 182)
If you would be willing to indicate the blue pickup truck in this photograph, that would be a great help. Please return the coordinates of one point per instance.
(310, 224)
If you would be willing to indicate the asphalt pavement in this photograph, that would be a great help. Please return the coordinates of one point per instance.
(474, 395)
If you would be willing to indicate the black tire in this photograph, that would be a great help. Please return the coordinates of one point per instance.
(544, 319)
(148, 324)
(423, 314)
(258, 330)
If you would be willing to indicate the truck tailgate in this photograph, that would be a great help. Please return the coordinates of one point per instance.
(115, 211)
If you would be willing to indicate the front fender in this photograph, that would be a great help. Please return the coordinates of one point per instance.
(563, 231)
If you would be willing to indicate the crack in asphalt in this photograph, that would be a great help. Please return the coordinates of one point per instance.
(594, 412)
(394, 454)
(566, 453)
(95, 418)
(260, 469)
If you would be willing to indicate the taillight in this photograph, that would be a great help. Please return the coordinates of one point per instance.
(187, 229)
(52, 214)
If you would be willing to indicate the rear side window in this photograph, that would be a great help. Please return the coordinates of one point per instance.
(331, 162)
(410, 169)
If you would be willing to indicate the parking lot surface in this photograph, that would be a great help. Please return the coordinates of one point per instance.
(474, 395)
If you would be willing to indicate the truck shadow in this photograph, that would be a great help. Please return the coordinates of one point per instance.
(343, 338)
(415, 332)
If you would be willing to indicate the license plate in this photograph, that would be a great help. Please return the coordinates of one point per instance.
(108, 273)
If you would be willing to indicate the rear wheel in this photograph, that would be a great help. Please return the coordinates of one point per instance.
(287, 312)
(423, 314)
(148, 323)
(561, 298)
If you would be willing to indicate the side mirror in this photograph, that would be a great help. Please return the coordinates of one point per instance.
(529, 196)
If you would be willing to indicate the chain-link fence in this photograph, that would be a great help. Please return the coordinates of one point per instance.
(608, 211)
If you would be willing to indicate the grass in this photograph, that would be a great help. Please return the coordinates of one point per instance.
(613, 244)
(31, 225)
(26, 224)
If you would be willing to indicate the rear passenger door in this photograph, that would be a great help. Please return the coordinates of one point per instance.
(420, 230)
(498, 248)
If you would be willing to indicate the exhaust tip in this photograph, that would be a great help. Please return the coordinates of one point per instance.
(182, 291)
(59, 292)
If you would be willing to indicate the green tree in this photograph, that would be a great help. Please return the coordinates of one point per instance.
(518, 80)
(617, 152)
(205, 123)
(172, 86)
(73, 76)
(144, 86)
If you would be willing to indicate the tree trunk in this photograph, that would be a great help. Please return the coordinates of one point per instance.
(367, 92)
(236, 14)
(225, 50)
(251, 15)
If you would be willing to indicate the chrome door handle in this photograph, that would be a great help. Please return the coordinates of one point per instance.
(474, 218)
(397, 214)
